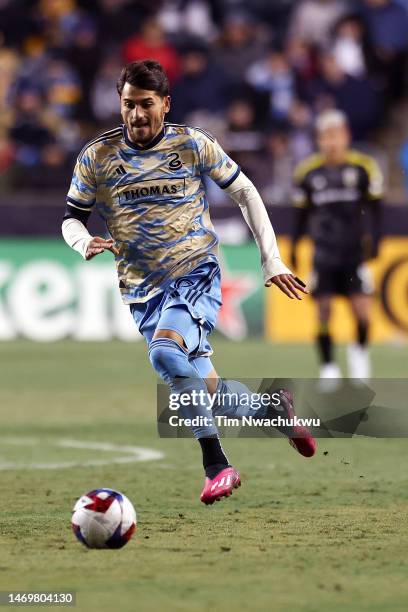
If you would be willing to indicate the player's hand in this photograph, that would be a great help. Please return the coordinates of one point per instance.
(98, 245)
(288, 284)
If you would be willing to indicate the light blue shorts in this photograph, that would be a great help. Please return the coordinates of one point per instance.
(189, 306)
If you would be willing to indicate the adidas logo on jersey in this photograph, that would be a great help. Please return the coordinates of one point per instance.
(120, 170)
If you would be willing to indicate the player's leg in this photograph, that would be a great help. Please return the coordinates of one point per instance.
(147, 317)
(323, 287)
(231, 395)
(195, 299)
(175, 362)
(358, 288)
(358, 357)
(206, 370)
(177, 335)
(233, 402)
(324, 342)
(168, 353)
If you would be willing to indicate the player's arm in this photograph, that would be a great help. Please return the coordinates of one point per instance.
(372, 245)
(245, 194)
(78, 238)
(227, 174)
(301, 213)
(374, 197)
(301, 216)
(80, 201)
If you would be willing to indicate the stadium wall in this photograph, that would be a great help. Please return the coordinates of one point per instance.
(48, 293)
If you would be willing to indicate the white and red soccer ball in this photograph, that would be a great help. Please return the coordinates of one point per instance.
(103, 518)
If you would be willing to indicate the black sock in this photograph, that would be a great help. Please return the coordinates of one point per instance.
(362, 332)
(325, 345)
(214, 459)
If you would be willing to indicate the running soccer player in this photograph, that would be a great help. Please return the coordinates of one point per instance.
(334, 188)
(145, 178)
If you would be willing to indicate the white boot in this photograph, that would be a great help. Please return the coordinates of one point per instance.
(358, 361)
(330, 375)
(330, 370)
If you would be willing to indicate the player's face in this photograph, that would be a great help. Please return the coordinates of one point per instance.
(333, 142)
(143, 113)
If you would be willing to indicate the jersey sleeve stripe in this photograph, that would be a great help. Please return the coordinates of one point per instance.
(80, 205)
(372, 169)
(232, 179)
(105, 136)
(205, 133)
(167, 123)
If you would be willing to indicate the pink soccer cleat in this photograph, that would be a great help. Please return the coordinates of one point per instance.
(299, 436)
(220, 486)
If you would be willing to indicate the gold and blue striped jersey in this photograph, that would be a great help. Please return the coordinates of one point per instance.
(153, 202)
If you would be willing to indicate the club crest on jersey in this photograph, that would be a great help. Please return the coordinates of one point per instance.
(319, 182)
(149, 191)
(350, 177)
(175, 161)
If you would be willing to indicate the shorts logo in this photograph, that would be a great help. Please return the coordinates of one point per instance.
(183, 282)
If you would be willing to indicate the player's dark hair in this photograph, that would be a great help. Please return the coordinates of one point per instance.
(145, 74)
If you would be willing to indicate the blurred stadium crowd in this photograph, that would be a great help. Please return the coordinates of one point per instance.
(254, 73)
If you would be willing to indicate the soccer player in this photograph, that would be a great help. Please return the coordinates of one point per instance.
(145, 178)
(334, 189)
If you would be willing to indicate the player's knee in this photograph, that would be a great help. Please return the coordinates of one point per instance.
(169, 359)
(324, 313)
(171, 335)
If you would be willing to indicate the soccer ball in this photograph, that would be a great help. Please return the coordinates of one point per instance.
(103, 518)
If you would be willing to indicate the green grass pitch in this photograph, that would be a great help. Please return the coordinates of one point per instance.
(328, 533)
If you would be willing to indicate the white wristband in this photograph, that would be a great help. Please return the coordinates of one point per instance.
(76, 235)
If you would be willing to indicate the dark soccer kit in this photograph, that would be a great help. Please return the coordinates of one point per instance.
(334, 202)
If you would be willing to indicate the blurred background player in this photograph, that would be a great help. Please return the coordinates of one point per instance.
(333, 190)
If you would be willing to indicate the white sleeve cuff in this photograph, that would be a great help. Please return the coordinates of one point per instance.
(273, 267)
(76, 235)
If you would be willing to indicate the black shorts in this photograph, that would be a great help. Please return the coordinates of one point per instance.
(345, 279)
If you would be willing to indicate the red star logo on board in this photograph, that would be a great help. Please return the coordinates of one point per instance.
(236, 288)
